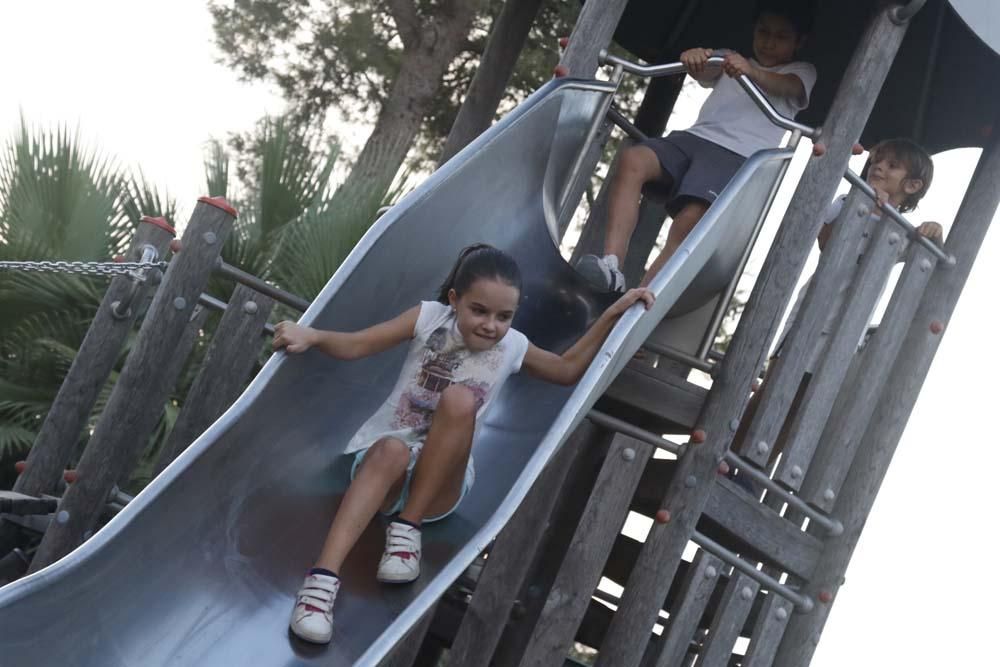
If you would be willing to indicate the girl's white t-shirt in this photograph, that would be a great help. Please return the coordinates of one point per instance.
(438, 358)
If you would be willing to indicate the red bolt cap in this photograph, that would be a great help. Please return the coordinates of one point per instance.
(857, 149)
(560, 71)
(663, 516)
(176, 245)
(160, 222)
(698, 435)
(118, 259)
(723, 468)
(20, 466)
(564, 42)
(826, 597)
(819, 149)
(70, 476)
(937, 326)
(755, 386)
(220, 203)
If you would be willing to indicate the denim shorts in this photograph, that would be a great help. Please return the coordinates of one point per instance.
(470, 479)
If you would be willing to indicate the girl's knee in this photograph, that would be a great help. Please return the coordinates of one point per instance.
(387, 455)
(457, 401)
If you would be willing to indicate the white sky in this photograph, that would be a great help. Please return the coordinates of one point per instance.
(140, 81)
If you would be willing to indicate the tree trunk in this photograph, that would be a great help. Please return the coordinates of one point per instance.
(429, 46)
(507, 38)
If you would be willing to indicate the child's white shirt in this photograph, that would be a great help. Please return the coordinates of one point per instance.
(436, 359)
(730, 118)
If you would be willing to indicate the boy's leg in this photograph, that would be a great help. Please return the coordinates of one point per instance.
(439, 476)
(638, 165)
(682, 225)
(378, 483)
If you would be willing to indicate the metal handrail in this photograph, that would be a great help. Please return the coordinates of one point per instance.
(253, 282)
(640, 434)
(898, 218)
(749, 86)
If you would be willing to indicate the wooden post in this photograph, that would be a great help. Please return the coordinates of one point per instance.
(235, 347)
(507, 38)
(689, 490)
(895, 404)
(139, 387)
(592, 32)
(406, 650)
(90, 370)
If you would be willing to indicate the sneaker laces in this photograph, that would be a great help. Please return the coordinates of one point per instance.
(318, 594)
(401, 541)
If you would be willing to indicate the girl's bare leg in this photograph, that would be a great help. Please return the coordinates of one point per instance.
(682, 225)
(378, 483)
(439, 475)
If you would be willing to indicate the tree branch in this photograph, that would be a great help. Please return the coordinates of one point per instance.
(404, 13)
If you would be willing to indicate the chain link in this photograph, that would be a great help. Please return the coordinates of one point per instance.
(86, 268)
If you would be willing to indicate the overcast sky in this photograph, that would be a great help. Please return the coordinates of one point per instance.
(140, 81)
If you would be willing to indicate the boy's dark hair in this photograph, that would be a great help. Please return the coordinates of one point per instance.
(477, 262)
(798, 12)
(917, 161)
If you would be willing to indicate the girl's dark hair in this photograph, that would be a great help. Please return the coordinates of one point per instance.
(800, 13)
(917, 161)
(477, 262)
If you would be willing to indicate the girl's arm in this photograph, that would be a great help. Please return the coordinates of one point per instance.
(569, 367)
(296, 338)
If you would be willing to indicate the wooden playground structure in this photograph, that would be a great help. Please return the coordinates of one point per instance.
(719, 564)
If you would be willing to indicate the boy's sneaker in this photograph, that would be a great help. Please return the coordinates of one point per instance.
(602, 272)
(401, 560)
(312, 617)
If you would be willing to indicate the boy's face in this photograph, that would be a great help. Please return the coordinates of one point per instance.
(775, 40)
(888, 173)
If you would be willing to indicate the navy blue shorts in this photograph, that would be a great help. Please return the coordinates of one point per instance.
(693, 168)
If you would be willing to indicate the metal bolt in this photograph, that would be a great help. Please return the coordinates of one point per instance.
(893, 238)
(691, 481)
(796, 472)
(710, 572)
(628, 453)
(210, 238)
(829, 495)
(62, 517)
(925, 265)
(781, 613)
(89, 534)
(863, 211)
(762, 447)
(180, 303)
(250, 307)
(746, 593)
(734, 424)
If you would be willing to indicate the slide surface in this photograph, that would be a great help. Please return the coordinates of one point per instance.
(202, 567)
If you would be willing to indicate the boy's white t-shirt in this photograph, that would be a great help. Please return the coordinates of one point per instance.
(438, 358)
(730, 118)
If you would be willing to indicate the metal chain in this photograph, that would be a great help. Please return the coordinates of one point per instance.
(87, 268)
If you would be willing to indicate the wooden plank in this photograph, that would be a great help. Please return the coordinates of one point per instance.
(684, 621)
(854, 405)
(140, 387)
(673, 401)
(511, 556)
(837, 265)
(231, 356)
(737, 600)
(405, 652)
(601, 522)
(817, 402)
(592, 32)
(688, 491)
(91, 367)
(507, 37)
(771, 623)
(896, 402)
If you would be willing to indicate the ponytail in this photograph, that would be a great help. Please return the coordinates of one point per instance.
(476, 262)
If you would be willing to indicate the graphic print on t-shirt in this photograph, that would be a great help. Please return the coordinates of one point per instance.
(445, 361)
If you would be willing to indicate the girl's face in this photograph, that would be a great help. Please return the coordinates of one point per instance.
(484, 312)
(888, 173)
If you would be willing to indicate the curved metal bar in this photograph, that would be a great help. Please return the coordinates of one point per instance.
(801, 602)
(619, 119)
(897, 217)
(640, 434)
(253, 282)
(749, 86)
(901, 14)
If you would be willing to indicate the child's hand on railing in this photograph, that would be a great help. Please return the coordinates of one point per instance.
(736, 65)
(932, 231)
(695, 60)
(293, 337)
(630, 297)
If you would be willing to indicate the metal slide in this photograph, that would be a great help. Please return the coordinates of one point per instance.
(201, 568)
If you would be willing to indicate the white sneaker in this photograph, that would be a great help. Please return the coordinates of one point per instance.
(602, 272)
(401, 559)
(312, 617)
